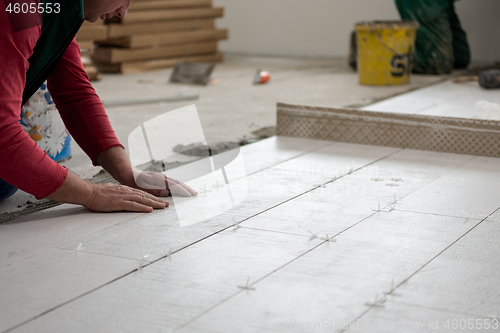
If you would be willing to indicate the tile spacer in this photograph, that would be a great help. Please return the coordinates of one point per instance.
(247, 286)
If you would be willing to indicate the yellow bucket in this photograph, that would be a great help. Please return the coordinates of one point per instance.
(385, 51)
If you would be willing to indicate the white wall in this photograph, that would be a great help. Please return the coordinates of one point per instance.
(481, 21)
(320, 28)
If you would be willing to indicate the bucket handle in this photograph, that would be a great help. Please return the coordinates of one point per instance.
(384, 43)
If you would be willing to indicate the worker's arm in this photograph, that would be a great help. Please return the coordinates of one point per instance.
(84, 116)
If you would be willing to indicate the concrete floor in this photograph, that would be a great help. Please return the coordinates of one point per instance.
(232, 107)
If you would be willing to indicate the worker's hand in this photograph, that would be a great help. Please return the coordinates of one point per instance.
(161, 185)
(112, 197)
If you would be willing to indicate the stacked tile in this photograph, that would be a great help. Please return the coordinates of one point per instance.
(157, 33)
(87, 35)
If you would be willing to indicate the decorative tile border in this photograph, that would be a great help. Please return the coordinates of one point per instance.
(443, 134)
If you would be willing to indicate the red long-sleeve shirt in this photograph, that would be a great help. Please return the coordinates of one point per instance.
(22, 163)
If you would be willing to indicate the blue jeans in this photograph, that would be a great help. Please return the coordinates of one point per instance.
(6, 190)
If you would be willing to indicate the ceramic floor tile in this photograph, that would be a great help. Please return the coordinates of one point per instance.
(256, 156)
(172, 291)
(337, 279)
(40, 283)
(276, 150)
(445, 159)
(463, 279)
(158, 232)
(443, 99)
(25, 237)
(336, 160)
(348, 200)
(467, 191)
(395, 317)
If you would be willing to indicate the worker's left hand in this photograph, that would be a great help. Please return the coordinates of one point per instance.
(160, 185)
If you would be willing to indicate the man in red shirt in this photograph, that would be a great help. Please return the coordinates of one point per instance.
(33, 50)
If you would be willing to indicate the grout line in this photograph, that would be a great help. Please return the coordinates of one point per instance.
(443, 215)
(277, 232)
(195, 242)
(326, 241)
(231, 226)
(250, 285)
(441, 310)
(423, 266)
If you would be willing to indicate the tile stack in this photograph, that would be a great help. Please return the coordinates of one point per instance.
(157, 33)
(87, 35)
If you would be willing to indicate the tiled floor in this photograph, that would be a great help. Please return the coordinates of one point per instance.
(464, 100)
(330, 237)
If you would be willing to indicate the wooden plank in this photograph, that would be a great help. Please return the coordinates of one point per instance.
(136, 67)
(175, 14)
(98, 22)
(149, 65)
(156, 40)
(157, 0)
(118, 30)
(149, 5)
(113, 55)
(85, 44)
(93, 73)
(92, 32)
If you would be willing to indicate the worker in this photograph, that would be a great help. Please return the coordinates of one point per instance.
(441, 44)
(37, 43)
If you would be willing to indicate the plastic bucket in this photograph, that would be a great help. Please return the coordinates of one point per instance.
(385, 51)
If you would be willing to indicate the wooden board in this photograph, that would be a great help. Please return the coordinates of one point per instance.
(98, 22)
(149, 5)
(85, 44)
(160, 15)
(142, 66)
(118, 30)
(113, 55)
(155, 40)
(92, 32)
(93, 73)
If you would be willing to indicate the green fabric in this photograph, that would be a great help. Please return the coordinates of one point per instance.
(441, 43)
(58, 30)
